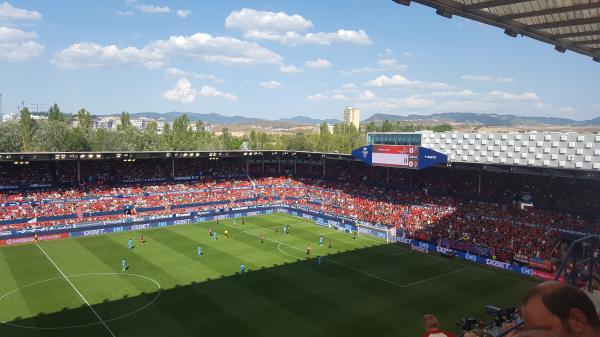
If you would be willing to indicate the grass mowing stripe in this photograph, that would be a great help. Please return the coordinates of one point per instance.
(360, 270)
(476, 267)
(77, 291)
(332, 260)
(282, 297)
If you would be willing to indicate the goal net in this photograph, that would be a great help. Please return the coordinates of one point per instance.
(385, 233)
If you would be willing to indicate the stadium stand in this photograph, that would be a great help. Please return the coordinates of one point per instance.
(444, 206)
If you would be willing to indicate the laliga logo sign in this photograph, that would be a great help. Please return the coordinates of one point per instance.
(365, 152)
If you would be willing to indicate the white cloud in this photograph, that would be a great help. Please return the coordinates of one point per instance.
(271, 85)
(342, 35)
(208, 91)
(183, 92)
(401, 81)
(208, 77)
(175, 72)
(367, 95)
(14, 34)
(487, 78)
(93, 55)
(219, 49)
(324, 97)
(17, 45)
(283, 28)
(349, 87)
(461, 93)
(8, 12)
(124, 13)
(346, 88)
(200, 46)
(411, 102)
(290, 69)
(249, 19)
(316, 97)
(294, 38)
(389, 64)
(501, 95)
(152, 9)
(318, 64)
(339, 97)
(183, 13)
(21, 51)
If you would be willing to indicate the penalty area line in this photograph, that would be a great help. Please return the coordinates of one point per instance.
(77, 291)
(279, 244)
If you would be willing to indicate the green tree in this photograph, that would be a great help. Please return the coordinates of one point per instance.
(10, 137)
(27, 127)
(442, 128)
(51, 136)
(107, 140)
(227, 139)
(84, 118)
(54, 114)
(125, 121)
(387, 126)
(371, 127)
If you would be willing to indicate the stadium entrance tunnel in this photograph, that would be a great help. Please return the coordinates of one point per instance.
(297, 298)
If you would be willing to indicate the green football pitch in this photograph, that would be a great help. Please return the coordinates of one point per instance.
(75, 287)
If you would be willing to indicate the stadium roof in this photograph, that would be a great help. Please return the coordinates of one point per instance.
(567, 24)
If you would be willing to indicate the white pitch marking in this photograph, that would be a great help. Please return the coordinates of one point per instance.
(435, 277)
(77, 291)
(327, 258)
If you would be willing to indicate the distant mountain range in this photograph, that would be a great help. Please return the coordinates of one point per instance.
(483, 119)
(214, 118)
(448, 117)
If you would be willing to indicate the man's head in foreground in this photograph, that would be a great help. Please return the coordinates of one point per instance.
(560, 308)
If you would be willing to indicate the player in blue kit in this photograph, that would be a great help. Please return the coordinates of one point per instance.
(123, 265)
(200, 252)
(130, 244)
(243, 269)
(319, 261)
(321, 240)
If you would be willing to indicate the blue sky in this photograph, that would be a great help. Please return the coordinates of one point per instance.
(274, 59)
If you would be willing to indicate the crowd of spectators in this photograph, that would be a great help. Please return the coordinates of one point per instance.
(447, 207)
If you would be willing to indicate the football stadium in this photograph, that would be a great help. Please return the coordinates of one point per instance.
(154, 243)
(430, 226)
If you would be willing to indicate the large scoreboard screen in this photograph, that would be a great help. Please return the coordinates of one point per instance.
(395, 155)
(400, 156)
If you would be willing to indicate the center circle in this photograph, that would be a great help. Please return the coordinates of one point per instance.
(100, 283)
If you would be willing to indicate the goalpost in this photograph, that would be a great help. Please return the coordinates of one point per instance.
(387, 234)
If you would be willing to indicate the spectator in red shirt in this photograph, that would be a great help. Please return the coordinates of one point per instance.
(432, 327)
